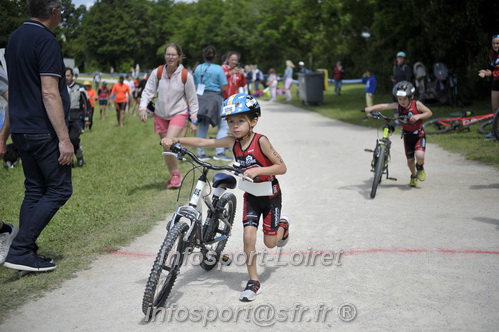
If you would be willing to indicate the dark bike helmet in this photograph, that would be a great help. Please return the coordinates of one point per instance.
(403, 89)
(240, 103)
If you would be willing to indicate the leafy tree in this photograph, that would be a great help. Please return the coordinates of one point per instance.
(12, 15)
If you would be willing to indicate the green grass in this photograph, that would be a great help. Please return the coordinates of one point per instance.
(346, 108)
(120, 193)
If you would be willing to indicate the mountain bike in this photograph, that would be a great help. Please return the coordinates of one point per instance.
(491, 126)
(460, 123)
(186, 231)
(381, 153)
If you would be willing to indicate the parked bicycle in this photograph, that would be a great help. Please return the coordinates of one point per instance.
(381, 153)
(491, 126)
(186, 231)
(460, 123)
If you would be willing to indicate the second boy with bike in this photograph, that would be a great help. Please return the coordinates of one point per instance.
(413, 112)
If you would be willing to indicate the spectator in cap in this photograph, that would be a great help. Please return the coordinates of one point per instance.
(303, 69)
(401, 72)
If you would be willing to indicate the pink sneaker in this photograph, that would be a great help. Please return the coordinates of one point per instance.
(175, 180)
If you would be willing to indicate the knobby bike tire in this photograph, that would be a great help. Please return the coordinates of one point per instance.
(378, 170)
(226, 208)
(165, 270)
(435, 126)
(486, 127)
(495, 124)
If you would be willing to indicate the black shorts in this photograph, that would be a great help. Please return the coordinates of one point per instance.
(121, 106)
(495, 85)
(413, 143)
(269, 207)
(103, 102)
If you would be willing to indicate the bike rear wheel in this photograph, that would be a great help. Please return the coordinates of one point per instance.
(495, 125)
(378, 170)
(486, 127)
(438, 126)
(215, 228)
(165, 270)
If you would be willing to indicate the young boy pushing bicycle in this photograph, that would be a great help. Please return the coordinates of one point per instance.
(262, 163)
(412, 112)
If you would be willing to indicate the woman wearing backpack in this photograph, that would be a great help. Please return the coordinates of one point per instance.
(176, 103)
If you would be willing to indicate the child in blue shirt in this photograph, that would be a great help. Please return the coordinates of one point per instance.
(370, 81)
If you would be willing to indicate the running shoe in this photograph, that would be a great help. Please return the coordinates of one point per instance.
(222, 156)
(6, 239)
(175, 180)
(414, 181)
(421, 173)
(284, 223)
(251, 291)
(29, 262)
(203, 157)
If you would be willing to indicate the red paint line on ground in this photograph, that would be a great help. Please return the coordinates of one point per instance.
(343, 252)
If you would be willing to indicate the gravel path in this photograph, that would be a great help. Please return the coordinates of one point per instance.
(412, 259)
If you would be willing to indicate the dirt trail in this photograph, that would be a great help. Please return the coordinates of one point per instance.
(412, 259)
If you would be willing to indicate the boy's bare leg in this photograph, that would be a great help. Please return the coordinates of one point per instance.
(250, 251)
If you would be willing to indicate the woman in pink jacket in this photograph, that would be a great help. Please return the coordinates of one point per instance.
(176, 103)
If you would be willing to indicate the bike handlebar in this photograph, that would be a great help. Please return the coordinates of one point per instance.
(378, 115)
(178, 151)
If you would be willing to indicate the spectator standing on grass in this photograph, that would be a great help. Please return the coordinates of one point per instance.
(272, 83)
(79, 107)
(38, 109)
(338, 73)
(104, 93)
(119, 94)
(370, 81)
(211, 81)
(129, 81)
(92, 98)
(176, 103)
(288, 79)
(493, 70)
(7, 231)
(97, 79)
(401, 71)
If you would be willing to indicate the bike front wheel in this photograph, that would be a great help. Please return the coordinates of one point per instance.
(165, 269)
(378, 170)
(438, 126)
(216, 228)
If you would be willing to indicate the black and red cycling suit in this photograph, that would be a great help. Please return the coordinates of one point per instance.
(269, 207)
(493, 65)
(414, 135)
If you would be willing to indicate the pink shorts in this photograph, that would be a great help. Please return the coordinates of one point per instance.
(161, 125)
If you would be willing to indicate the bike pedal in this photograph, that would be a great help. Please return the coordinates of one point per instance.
(393, 179)
(368, 150)
(226, 259)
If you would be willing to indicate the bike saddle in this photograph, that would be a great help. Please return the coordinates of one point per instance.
(222, 180)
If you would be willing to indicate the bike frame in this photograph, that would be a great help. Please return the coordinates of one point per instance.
(191, 211)
(465, 121)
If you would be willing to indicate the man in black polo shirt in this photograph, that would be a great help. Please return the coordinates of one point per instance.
(38, 112)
